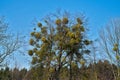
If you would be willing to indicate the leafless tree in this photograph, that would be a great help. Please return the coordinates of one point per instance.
(8, 42)
(109, 38)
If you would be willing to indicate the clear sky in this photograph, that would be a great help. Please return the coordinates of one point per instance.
(21, 13)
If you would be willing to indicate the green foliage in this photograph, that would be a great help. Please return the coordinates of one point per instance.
(115, 48)
(58, 21)
(39, 72)
(39, 25)
(30, 52)
(59, 45)
(65, 20)
(15, 74)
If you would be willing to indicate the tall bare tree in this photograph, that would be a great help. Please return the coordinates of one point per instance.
(110, 42)
(8, 42)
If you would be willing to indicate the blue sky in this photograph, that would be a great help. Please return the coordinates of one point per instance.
(21, 13)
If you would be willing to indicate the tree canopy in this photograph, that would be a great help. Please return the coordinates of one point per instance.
(59, 42)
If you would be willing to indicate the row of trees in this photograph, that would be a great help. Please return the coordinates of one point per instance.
(103, 72)
(12, 74)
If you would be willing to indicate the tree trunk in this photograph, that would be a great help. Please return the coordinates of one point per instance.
(70, 78)
(56, 75)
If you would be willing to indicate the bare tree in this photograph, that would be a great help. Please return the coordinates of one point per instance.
(8, 42)
(110, 43)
